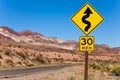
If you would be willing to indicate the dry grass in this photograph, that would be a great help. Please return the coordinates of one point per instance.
(70, 73)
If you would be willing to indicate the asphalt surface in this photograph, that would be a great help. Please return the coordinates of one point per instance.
(24, 71)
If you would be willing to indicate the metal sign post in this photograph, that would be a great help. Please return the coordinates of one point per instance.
(86, 66)
(87, 19)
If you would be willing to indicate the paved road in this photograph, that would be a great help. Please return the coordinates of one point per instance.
(18, 72)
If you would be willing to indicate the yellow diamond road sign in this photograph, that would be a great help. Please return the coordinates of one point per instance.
(87, 19)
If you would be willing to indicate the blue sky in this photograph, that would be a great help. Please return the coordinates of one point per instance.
(52, 18)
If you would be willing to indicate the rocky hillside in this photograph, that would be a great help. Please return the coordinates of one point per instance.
(13, 54)
(34, 38)
(29, 48)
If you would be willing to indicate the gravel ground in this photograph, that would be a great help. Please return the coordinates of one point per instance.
(69, 73)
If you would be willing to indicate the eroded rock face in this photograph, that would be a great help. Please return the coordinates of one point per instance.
(34, 38)
(29, 48)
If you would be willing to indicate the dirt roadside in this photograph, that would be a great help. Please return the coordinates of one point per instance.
(69, 73)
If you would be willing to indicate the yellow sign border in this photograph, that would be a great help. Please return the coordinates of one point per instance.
(95, 11)
(93, 44)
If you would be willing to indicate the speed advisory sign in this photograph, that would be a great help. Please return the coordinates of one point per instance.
(86, 43)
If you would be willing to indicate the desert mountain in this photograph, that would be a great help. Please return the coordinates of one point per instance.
(29, 48)
(34, 38)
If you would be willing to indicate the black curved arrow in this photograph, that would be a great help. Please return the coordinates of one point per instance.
(87, 12)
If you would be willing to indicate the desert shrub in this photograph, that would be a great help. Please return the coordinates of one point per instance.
(0, 56)
(1, 67)
(59, 55)
(7, 52)
(62, 60)
(75, 60)
(71, 78)
(95, 66)
(59, 60)
(24, 56)
(116, 71)
(19, 46)
(19, 62)
(10, 63)
(91, 76)
(30, 65)
(105, 68)
(42, 60)
(0, 63)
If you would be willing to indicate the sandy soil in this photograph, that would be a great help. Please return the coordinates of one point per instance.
(69, 73)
